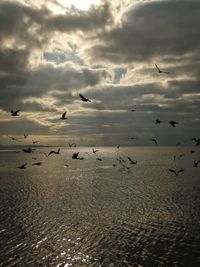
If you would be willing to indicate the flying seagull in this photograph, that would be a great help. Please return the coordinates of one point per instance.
(15, 113)
(176, 172)
(34, 142)
(23, 166)
(94, 151)
(63, 117)
(13, 138)
(196, 163)
(75, 155)
(25, 136)
(173, 123)
(54, 152)
(132, 161)
(154, 140)
(84, 99)
(28, 150)
(157, 121)
(37, 163)
(161, 71)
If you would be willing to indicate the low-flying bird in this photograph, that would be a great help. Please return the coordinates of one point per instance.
(192, 151)
(28, 150)
(157, 121)
(161, 71)
(132, 138)
(95, 151)
(54, 152)
(37, 163)
(176, 172)
(132, 110)
(173, 123)
(84, 99)
(75, 155)
(34, 142)
(99, 159)
(196, 163)
(15, 113)
(13, 138)
(154, 140)
(23, 166)
(25, 136)
(63, 117)
(132, 161)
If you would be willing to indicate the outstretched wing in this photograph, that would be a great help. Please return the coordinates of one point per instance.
(181, 170)
(173, 171)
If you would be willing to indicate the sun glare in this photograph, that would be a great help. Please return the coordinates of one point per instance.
(84, 4)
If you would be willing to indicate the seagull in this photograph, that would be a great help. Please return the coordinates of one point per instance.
(176, 172)
(37, 163)
(54, 152)
(23, 166)
(161, 71)
(94, 151)
(75, 155)
(114, 165)
(25, 136)
(13, 138)
(15, 113)
(173, 123)
(157, 121)
(132, 161)
(99, 159)
(196, 163)
(34, 142)
(63, 117)
(84, 99)
(28, 150)
(154, 140)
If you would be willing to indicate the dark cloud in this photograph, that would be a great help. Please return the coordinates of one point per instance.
(149, 30)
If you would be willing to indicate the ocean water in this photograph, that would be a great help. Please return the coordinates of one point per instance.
(90, 213)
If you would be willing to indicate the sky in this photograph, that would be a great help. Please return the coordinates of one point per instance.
(53, 50)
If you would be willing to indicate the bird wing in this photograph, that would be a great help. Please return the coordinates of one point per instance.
(51, 152)
(173, 171)
(130, 160)
(64, 114)
(82, 97)
(157, 67)
(181, 170)
(17, 111)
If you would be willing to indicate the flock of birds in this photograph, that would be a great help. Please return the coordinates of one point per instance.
(124, 163)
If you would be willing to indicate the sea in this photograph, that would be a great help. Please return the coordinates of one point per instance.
(100, 210)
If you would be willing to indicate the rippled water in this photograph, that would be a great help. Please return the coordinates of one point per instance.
(93, 214)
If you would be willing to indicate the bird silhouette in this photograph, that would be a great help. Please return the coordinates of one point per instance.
(132, 138)
(23, 166)
(34, 142)
(132, 161)
(63, 117)
(37, 163)
(94, 151)
(25, 136)
(54, 152)
(99, 159)
(192, 151)
(84, 99)
(173, 123)
(15, 113)
(28, 150)
(13, 138)
(176, 172)
(196, 163)
(197, 141)
(161, 71)
(157, 121)
(154, 140)
(132, 110)
(75, 155)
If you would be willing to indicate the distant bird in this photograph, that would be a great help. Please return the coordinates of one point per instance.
(13, 138)
(66, 165)
(84, 99)
(99, 159)
(72, 145)
(23, 166)
(161, 71)
(196, 163)
(15, 113)
(37, 163)
(34, 142)
(28, 150)
(63, 117)
(75, 155)
(132, 161)
(173, 123)
(157, 121)
(197, 141)
(176, 172)
(132, 110)
(154, 140)
(114, 165)
(192, 151)
(118, 146)
(132, 138)
(95, 151)
(54, 152)
(25, 136)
